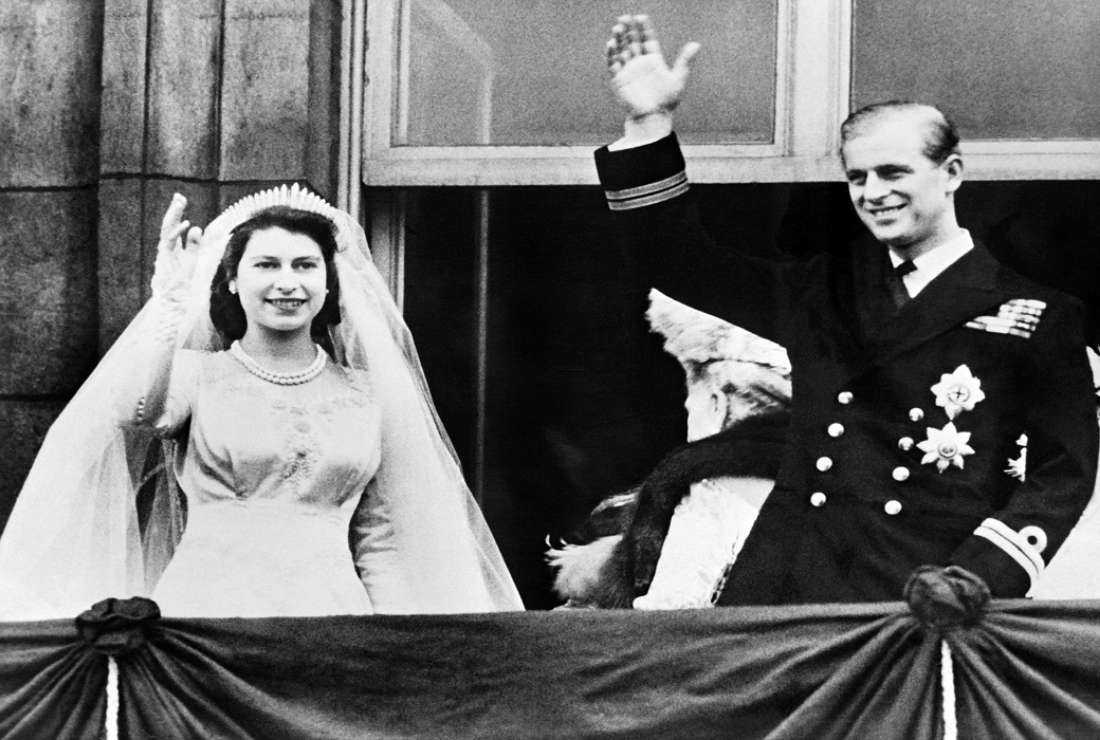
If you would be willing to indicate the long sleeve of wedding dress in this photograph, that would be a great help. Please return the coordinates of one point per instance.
(155, 392)
(376, 557)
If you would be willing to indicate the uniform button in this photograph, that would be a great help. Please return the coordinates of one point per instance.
(818, 499)
(844, 397)
(905, 444)
(892, 507)
(900, 473)
(915, 414)
(835, 429)
(824, 464)
(1035, 536)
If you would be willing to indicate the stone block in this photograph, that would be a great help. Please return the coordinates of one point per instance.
(120, 271)
(49, 331)
(265, 116)
(122, 113)
(49, 92)
(183, 79)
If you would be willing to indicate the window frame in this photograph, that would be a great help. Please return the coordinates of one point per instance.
(813, 76)
(384, 164)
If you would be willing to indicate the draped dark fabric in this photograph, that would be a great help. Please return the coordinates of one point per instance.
(1024, 670)
(51, 684)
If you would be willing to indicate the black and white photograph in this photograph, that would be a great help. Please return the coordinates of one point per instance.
(549, 369)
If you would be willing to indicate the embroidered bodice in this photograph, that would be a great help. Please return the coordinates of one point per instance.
(314, 444)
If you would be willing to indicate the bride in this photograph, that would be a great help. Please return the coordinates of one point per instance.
(298, 468)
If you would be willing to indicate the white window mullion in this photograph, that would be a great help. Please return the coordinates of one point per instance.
(819, 78)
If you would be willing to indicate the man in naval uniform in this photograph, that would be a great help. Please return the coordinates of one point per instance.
(942, 409)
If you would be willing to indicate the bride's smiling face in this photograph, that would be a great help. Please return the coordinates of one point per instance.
(281, 281)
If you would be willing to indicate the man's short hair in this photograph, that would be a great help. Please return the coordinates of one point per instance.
(941, 138)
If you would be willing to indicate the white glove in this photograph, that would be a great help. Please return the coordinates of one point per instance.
(176, 252)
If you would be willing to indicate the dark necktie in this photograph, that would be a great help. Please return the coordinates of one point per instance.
(895, 284)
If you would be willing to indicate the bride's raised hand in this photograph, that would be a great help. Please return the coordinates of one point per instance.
(640, 79)
(177, 249)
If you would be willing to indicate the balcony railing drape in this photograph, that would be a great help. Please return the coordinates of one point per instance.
(1026, 669)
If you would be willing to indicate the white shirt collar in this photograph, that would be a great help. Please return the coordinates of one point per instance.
(930, 264)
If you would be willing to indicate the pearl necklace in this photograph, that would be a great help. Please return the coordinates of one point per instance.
(261, 372)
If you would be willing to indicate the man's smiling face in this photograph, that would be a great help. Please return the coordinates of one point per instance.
(903, 197)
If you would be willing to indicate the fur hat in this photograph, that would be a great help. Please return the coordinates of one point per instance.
(695, 338)
(754, 373)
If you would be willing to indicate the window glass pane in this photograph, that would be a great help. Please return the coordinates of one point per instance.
(1013, 69)
(531, 73)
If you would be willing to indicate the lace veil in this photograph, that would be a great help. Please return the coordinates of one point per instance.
(78, 535)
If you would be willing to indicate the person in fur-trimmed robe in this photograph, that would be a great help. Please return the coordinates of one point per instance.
(668, 542)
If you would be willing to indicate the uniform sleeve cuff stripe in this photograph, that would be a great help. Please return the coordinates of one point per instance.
(1011, 549)
(1017, 539)
(641, 202)
(648, 188)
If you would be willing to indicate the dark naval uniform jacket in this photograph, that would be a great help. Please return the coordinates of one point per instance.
(958, 429)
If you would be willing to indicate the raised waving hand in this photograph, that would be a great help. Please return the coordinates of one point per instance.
(176, 250)
(640, 78)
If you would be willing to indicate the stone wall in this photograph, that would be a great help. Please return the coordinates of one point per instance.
(107, 107)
